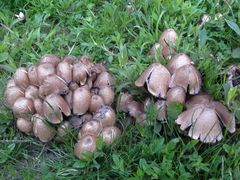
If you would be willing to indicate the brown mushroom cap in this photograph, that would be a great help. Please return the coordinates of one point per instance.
(106, 116)
(70, 59)
(73, 86)
(24, 125)
(50, 59)
(110, 133)
(85, 144)
(10, 83)
(45, 70)
(90, 128)
(107, 94)
(53, 106)
(168, 37)
(31, 92)
(21, 78)
(135, 109)
(23, 108)
(176, 94)
(64, 70)
(81, 101)
(125, 99)
(69, 99)
(157, 79)
(12, 94)
(178, 61)
(96, 103)
(38, 105)
(86, 61)
(187, 76)
(41, 129)
(198, 99)
(33, 75)
(79, 73)
(204, 123)
(104, 79)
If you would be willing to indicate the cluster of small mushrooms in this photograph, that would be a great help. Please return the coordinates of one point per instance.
(54, 96)
(179, 82)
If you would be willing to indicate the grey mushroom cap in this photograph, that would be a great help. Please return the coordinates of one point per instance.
(23, 108)
(110, 133)
(21, 78)
(96, 103)
(92, 127)
(53, 84)
(64, 70)
(135, 109)
(86, 61)
(125, 99)
(187, 77)
(105, 115)
(176, 94)
(12, 94)
(41, 129)
(38, 105)
(50, 59)
(157, 78)
(45, 70)
(203, 122)
(81, 101)
(85, 144)
(107, 94)
(104, 79)
(79, 73)
(33, 75)
(53, 107)
(31, 92)
(77, 121)
(178, 61)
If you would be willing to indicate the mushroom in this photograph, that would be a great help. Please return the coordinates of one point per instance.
(90, 128)
(31, 92)
(79, 73)
(38, 105)
(155, 49)
(85, 144)
(33, 75)
(53, 84)
(187, 77)
(69, 99)
(50, 59)
(104, 79)
(110, 133)
(168, 37)
(41, 129)
(10, 83)
(21, 78)
(204, 115)
(63, 130)
(24, 125)
(23, 108)
(176, 94)
(64, 70)
(45, 70)
(107, 94)
(96, 103)
(125, 99)
(86, 61)
(12, 94)
(178, 61)
(53, 107)
(81, 101)
(77, 121)
(105, 115)
(70, 59)
(157, 78)
(73, 86)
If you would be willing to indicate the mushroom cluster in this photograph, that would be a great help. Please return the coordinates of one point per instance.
(54, 96)
(179, 82)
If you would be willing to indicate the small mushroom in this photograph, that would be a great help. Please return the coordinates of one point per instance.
(31, 92)
(81, 101)
(41, 129)
(187, 77)
(63, 129)
(168, 37)
(106, 116)
(70, 59)
(21, 78)
(155, 50)
(125, 99)
(38, 105)
(33, 75)
(96, 70)
(12, 94)
(110, 133)
(53, 106)
(178, 61)
(64, 70)
(77, 121)
(107, 94)
(53, 84)
(45, 70)
(157, 78)
(23, 108)
(50, 59)
(85, 144)
(104, 79)
(176, 94)
(96, 103)
(24, 125)
(86, 61)
(135, 109)
(79, 73)
(90, 128)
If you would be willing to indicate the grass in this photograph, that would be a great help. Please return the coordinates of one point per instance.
(108, 32)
